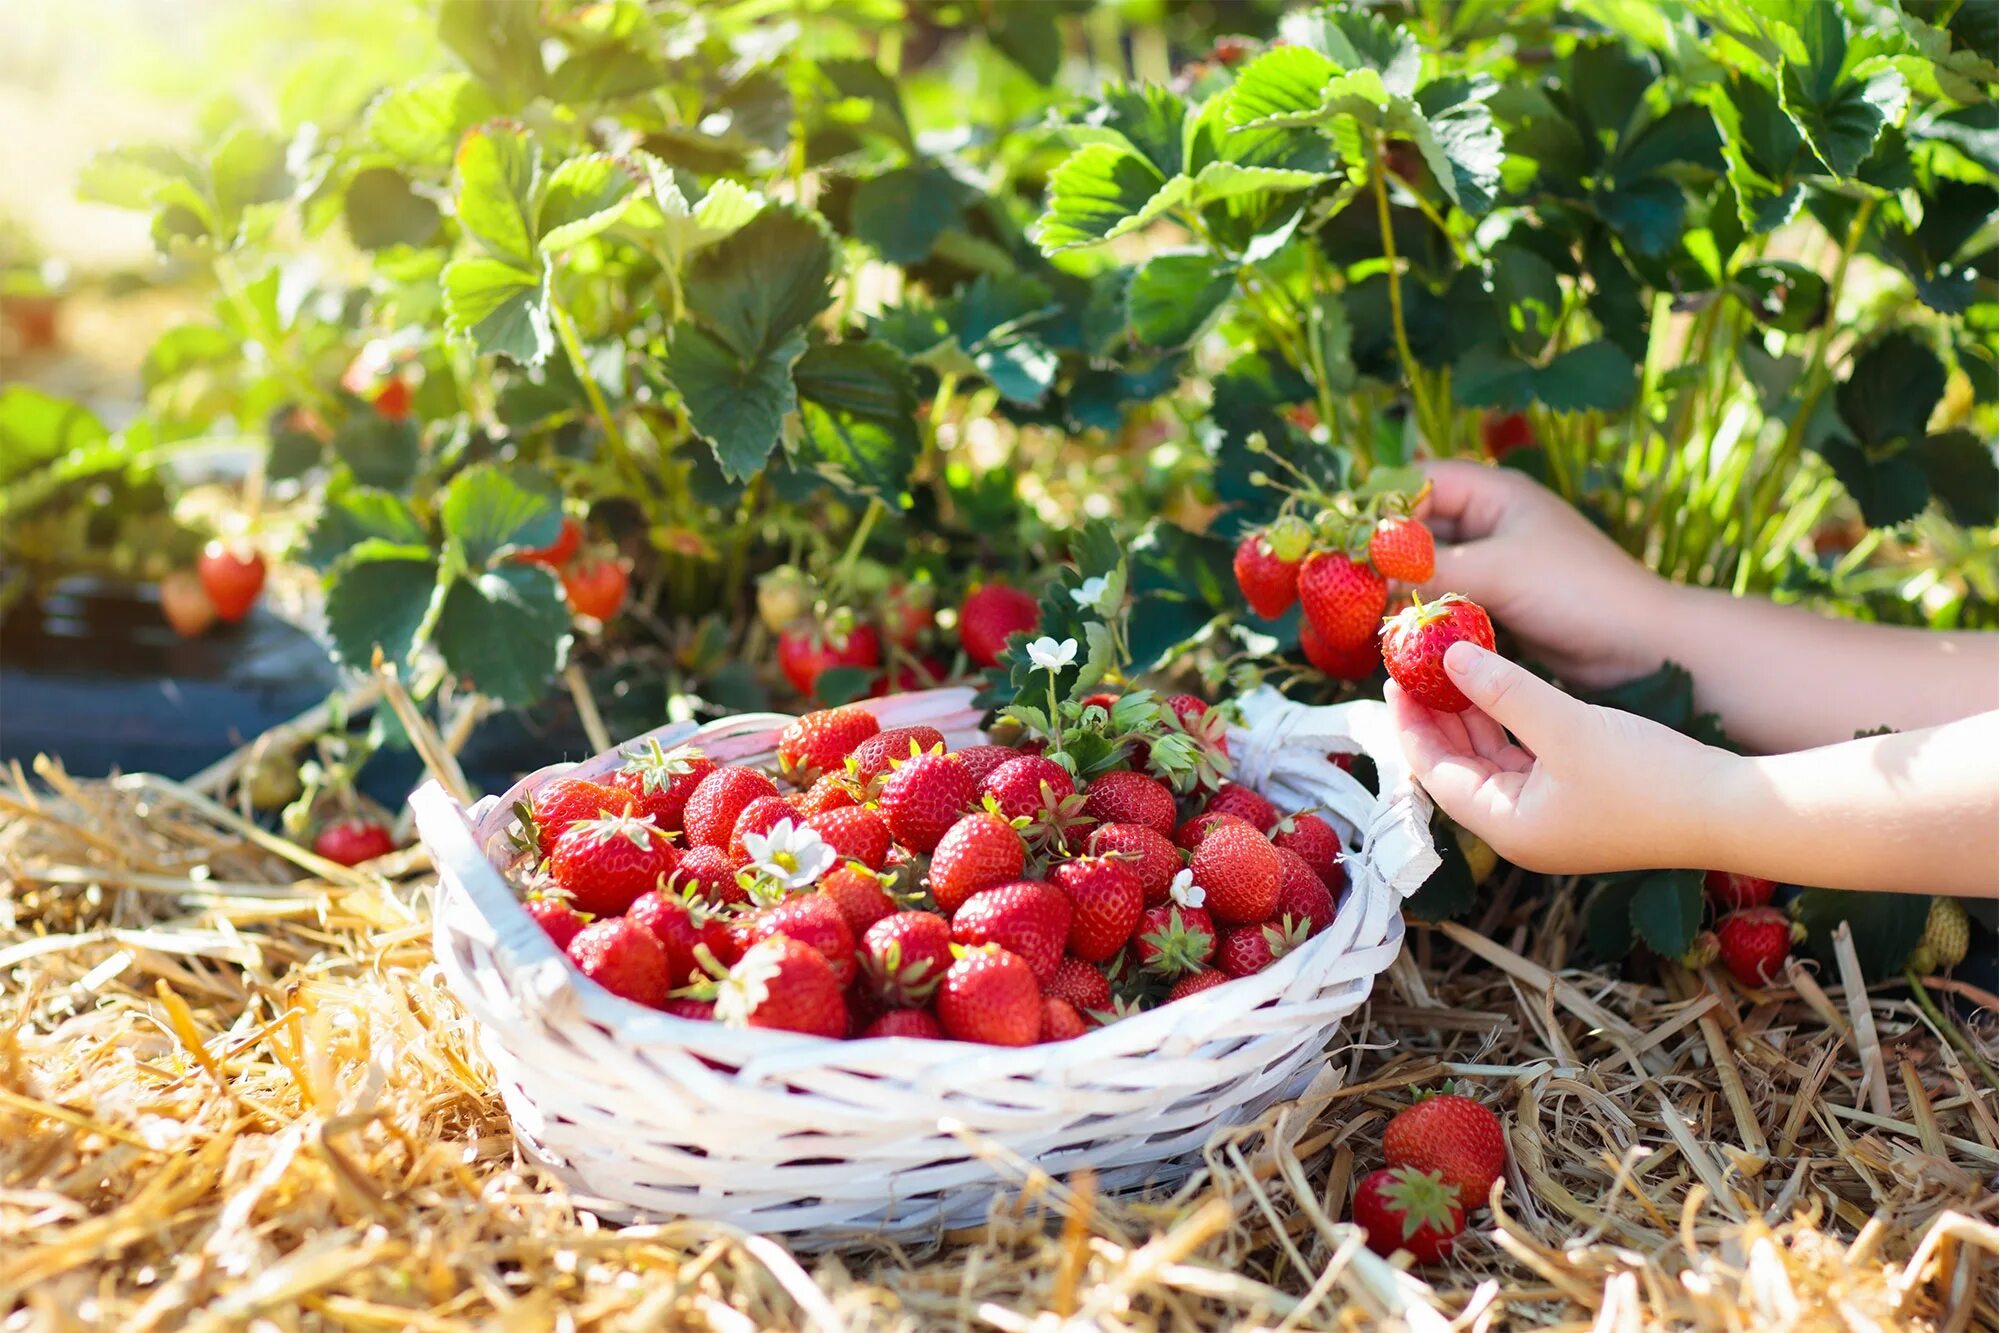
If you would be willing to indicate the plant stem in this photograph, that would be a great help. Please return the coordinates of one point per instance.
(1411, 370)
(1922, 995)
(573, 349)
(845, 569)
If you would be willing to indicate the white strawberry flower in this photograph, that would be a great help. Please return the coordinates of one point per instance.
(1185, 891)
(791, 854)
(1051, 656)
(1089, 595)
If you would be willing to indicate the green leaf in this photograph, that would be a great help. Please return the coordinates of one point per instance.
(1782, 295)
(1150, 119)
(503, 308)
(1529, 294)
(1172, 296)
(379, 596)
(421, 124)
(858, 404)
(1099, 193)
(1028, 36)
(378, 451)
(1761, 152)
(903, 211)
(37, 428)
(501, 43)
(350, 515)
(684, 230)
(738, 404)
(488, 512)
(495, 169)
(1354, 38)
(1281, 86)
(1597, 376)
(757, 288)
(1890, 489)
(1841, 128)
(1219, 181)
(1666, 910)
(583, 197)
(1885, 926)
(1890, 394)
(133, 177)
(382, 210)
(1607, 918)
(1960, 468)
(507, 630)
(247, 168)
(1449, 892)
(1493, 378)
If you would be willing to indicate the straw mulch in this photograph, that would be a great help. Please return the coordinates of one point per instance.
(232, 1092)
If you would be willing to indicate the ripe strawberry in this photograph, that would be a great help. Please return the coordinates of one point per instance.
(918, 1023)
(184, 602)
(1016, 786)
(977, 852)
(1269, 585)
(817, 742)
(1248, 949)
(1455, 1138)
(1401, 548)
(392, 400)
(1194, 983)
(623, 957)
(556, 917)
(1060, 1021)
(717, 800)
(1310, 837)
(1080, 983)
(1357, 663)
(873, 756)
(786, 984)
(1105, 904)
(1233, 798)
(1153, 858)
(1343, 598)
(1173, 940)
(1238, 869)
(1755, 943)
(855, 833)
(678, 926)
(558, 552)
(981, 760)
(1504, 432)
(231, 579)
(1302, 896)
(861, 894)
(1414, 644)
(806, 650)
(759, 817)
(604, 863)
(595, 588)
(686, 1006)
(1403, 1209)
(349, 842)
(833, 791)
(906, 613)
(1125, 797)
(661, 780)
(1194, 718)
(813, 919)
(1027, 918)
(1732, 893)
(988, 616)
(923, 797)
(1190, 834)
(708, 872)
(560, 802)
(989, 995)
(904, 956)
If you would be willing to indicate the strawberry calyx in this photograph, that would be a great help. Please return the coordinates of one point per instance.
(1422, 1199)
(1420, 615)
(1176, 948)
(657, 766)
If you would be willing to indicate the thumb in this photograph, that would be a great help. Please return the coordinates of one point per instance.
(1511, 695)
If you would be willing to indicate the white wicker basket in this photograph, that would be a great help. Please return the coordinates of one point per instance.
(648, 1115)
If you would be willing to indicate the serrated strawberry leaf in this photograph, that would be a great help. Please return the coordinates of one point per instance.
(1666, 910)
(488, 512)
(507, 630)
(379, 596)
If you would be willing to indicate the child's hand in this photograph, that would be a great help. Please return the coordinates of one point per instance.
(1572, 597)
(1585, 789)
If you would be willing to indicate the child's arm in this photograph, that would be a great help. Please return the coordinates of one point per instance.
(1595, 789)
(1780, 677)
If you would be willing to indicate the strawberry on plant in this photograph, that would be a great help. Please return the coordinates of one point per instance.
(1153, 858)
(1302, 896)
(1194, 983)
(1080, 983)
(1060, 1021)
(904, 956)
(560, 802)
(1314, 841)
(988, 616)
(1357, 663)
(817, 742)
(558, 552)
(231, 579)
(558, 920)
(861, 894)
(806, 650)
(1458, 1140)
(784, 595)
(906, 613)
(978, 852)
(707, 871)
(349, 842)
(1238, 869)
(923, 797)
(1105, 904)
(990, 996)
(1501, 433)
(1027, 917)
(759, 817)
(1401, 548)
(1245, 950)
(1401, 1208)
(1414, 644)
(678, 925)
(606, 862)
(918, 1023)
(874, 756)
(717, 800)
(1728, 892)
(925, 673)
(184, 602)
(595, 588)
(1268, 584)
(392, 400)
(810, 918)
(1343, 598)
(1233, 798)
(1125, 797)
(785, 984)
(623, 957)
(1946, 939)
(1755, 943)
(855, 833)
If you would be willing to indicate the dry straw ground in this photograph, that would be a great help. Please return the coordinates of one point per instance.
(232, 1093)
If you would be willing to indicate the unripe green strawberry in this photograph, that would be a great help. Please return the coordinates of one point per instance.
(1290, 538)
(1947, 936)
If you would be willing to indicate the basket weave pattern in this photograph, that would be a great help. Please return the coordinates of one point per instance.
(648, 1115)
